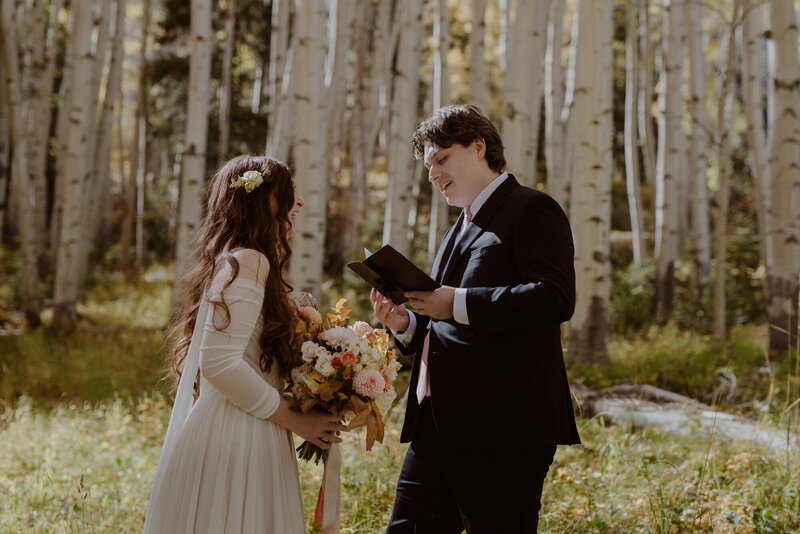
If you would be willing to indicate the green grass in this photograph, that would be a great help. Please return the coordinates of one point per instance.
(116, 349)
(82, 419)
(738, 374)
(84, 467)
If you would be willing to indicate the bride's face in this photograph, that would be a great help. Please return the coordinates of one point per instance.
(298, 203)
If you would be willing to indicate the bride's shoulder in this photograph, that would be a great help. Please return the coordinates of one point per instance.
(253, 265)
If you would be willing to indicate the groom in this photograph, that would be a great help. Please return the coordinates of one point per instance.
(489, 399)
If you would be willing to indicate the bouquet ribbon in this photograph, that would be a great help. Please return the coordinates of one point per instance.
(330, 493)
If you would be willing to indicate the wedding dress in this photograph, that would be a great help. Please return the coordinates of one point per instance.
(224, 468)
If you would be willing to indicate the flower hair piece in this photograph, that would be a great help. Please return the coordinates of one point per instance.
(249, 180)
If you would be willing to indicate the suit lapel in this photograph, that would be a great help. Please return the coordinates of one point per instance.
(445, 247)
(478, 224)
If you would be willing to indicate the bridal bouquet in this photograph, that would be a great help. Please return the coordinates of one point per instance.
(345, 370)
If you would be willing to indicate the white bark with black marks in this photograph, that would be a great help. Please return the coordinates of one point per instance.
(76, 168)
(523, 89)
(698, 160)
(783, 209)
(402, 122)
(667, 238)
(590, 202)
(310, 173)
(193, 161)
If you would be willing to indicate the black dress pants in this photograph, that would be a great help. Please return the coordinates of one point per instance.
(446, 489)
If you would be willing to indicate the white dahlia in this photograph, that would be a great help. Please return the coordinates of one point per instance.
(340, 337)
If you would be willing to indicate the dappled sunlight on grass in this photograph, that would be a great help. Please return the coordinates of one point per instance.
(737, 373)
(134, 303)
(82, 420)
(81, 467)
(90, 365)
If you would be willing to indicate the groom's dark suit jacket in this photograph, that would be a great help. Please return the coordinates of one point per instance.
(501, 379)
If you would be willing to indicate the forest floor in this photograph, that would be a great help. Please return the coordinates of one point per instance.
(88, 467)
(82, 419)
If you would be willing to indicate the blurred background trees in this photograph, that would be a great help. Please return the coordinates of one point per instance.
(668, 130)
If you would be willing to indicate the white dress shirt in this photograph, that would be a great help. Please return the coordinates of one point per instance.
(460, 298)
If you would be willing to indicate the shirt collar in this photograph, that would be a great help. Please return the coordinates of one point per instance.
(484, 195)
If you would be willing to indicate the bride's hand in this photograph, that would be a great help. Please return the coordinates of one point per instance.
(387, 312)
(313, 426)
(320, 428)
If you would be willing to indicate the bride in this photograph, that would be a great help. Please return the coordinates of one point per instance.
(228, 463)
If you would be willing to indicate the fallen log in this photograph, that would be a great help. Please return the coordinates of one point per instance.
(645, 405)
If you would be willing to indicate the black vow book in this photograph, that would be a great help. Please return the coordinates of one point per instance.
(392, 274)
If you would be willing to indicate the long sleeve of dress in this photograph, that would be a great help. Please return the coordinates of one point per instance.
(222, 351)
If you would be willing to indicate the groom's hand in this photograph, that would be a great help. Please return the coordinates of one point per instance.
(437, 304)
(387, 312)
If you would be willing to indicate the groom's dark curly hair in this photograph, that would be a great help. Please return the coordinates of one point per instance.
(460, 124)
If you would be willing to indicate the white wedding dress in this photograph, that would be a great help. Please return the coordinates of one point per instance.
(224, 468)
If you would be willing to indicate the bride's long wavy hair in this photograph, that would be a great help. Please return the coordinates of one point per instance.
(237, 219)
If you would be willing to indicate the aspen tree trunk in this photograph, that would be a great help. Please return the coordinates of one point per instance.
(503, 38)
(700, 228)
(38, 80)
(282, 84)
(128, 199)
(101, 166)
(390, 24)
(193, 162)
(632, 177)
(102, 29)
(567, 119)
(93, 185)
(439, 221)
(669, 159)
(646, 132)
(590, 205)
(5, 143)
(65, 291)
(133, 192)
(64, 102)
(20, 178)
(279, 35)
(305, 271)
(340, 40)
(724, 106)
(523, 89)
(401, 126)
(362, 93)
(553, 101)
(752, 96)
(141, 147)
(43, 115)
(783, 210)
(260, 84)
(478, 87)
(226, 85)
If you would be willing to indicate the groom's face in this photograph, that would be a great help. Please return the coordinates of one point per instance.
(456, 171)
